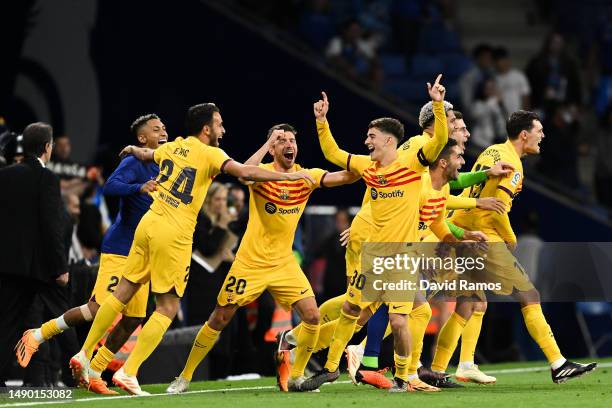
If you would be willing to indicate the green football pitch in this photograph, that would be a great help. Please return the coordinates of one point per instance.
(518, 385)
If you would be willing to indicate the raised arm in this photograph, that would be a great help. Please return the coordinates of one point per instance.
(330, 148)
(255, 173)
(500, 169)
(430, 151)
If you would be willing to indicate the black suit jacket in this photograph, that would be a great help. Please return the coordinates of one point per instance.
(32, 222)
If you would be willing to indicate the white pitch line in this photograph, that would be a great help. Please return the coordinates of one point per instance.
(264, 387)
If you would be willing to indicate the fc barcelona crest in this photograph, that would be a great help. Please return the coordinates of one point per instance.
(284, 195)
(381, 179)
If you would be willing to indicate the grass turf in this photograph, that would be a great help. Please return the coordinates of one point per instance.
(522, 385)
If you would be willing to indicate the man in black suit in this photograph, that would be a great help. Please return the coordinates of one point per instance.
(32, 251)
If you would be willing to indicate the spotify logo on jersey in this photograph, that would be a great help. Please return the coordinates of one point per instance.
(270, 208)
(374, 193)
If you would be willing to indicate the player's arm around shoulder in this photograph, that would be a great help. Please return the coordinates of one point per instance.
(338, 178)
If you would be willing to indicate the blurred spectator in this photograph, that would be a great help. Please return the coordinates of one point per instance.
(488, 114)
(73, 206)
(511, 83)
(475, 76)
(72, 175)
(354, 55)
(529, 244)
(236, 205)
(553, 74)
(407, 18)
(603, 172)
(559, 153)
(317, 24)
(212, 254)
(601, 53)
(334, 278)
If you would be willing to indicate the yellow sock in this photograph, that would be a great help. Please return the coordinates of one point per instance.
(418, 319)
(203, 343)
(102, 359)
(469, 337)
(148, 339)
(305, 345)
(540, 331)
(50, 329)
(447, 341)
(401, 366)
(105, 317)
(326, 334)
(342, 335)
(388, 332)
(330, 309)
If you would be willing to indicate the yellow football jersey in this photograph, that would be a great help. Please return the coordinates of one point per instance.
(186, 169)
(432, 209)
(496, 226)
(409, 147)
(275, 209)
(394, 196)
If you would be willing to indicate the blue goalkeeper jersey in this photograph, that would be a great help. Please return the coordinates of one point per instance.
(125, 182)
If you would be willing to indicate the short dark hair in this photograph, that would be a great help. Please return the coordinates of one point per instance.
(282, 126)
(389, 125)
(198, 116)
(140, 122)
(35, 138)
(481, 49)
(500, 53)
(444, 153)
(519, 121)
(458, 115)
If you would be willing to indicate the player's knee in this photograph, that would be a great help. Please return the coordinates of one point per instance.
(220, 317)
(397, 322)
(130, 323)
(351, 309)
(311, 316)
(480, 307)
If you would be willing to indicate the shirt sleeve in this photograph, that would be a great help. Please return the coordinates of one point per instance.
(505, 191)
(123, 181)
(468, 179)
(432, 147)
(460, 203)
(439, 226)
(337, 156)
(216, 159)
(160, 151)
(318, 175)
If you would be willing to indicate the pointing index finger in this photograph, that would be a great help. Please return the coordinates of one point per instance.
(324, 96)
(438, 79)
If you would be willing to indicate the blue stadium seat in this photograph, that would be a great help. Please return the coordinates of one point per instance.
(595, 321)
(410, 90)
(394, 65)
(426, 67)
(455, 65)
(437, 39)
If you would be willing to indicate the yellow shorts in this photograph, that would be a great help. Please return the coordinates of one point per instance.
(502, 267)
(284, 280)
(160, 254)
(362, 282)
(111, 269)
(360, 231)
